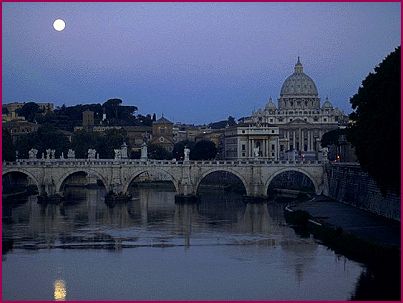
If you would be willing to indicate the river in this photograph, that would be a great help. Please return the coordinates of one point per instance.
(154, 249)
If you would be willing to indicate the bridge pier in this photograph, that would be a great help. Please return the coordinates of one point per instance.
(186, 192)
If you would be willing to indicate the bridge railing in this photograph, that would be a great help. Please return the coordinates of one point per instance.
(150, 162)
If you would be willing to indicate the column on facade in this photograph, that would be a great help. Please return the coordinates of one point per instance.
(267, 147)
(293, 139)
(277, 149)
(253, 146)
(302, 140)
(263, 148)
(288, 140)
(299, 139)
(309, 140)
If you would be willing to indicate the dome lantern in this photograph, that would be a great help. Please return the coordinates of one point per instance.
(298, 69)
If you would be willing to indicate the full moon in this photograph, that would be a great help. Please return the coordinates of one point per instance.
(59, 25)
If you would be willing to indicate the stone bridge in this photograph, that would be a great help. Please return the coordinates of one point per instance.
(50, 174)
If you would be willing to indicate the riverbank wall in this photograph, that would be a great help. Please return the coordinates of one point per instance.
(349, 184)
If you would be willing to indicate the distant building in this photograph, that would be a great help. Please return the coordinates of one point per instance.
(19, 128)
(138, 135)
(162, 133)
(182, 132)
(88, 119)
(11, 116)
(11, 109)
(301, 119)
(250, 141)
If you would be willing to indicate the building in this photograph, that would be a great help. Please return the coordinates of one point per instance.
(19, 128)
(137, 135)
(162, 133)
(251, 141)
(88, 119)
(300, 117)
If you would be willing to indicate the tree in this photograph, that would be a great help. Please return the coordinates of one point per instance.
(28, 111)
(45, 137)
(223, 123)
(82, 141)
(179, 148)
(331, 137)
(8, 149)
(375, 127)
(158, 152)
(203, 150)
(109, 141)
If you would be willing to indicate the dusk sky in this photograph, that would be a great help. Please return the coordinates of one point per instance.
(194, 62)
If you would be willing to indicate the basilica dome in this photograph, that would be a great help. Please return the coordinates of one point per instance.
(299, 84)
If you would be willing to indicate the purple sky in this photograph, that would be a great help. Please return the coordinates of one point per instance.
(194, 62)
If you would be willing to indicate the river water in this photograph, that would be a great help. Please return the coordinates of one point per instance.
(154, 249)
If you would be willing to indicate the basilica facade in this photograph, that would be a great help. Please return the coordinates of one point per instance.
(300, 117)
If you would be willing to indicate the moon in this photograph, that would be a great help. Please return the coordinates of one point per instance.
(59, 25)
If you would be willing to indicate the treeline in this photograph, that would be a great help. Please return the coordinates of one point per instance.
(67, 117)
(50, 137)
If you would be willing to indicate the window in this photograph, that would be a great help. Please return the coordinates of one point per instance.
(243, 147)
(290, 119)
(272, 154)
(272, 131)
(271, 120)
(325, 119)
(243, 154)
(161, 139)
(243, 131)
(273, 146)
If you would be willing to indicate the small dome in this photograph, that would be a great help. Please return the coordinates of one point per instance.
(299, 83)
(162, 120)
(270, 105)
(327, 104)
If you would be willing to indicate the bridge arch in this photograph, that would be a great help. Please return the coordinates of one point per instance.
(62, 179)
(228, 170)
(25, 172)
(293, 169)
(137, 173)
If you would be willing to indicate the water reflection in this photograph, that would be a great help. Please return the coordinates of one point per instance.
(218, 243)
(60, 291)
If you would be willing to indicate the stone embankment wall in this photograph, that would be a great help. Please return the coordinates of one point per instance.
(348, 183)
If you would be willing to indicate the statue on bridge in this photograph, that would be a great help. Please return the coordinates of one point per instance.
(144, 155)
(118, 154)
(50, 154)
(71, 154)
(32, 153)
(186, 152)
(123, 151)
(91, 153)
